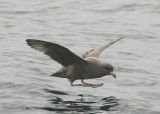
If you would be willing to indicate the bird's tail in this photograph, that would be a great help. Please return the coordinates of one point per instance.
(59, 74)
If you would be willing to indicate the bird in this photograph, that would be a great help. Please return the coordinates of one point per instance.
(74, 67)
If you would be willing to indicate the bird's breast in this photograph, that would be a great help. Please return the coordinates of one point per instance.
(89, 71)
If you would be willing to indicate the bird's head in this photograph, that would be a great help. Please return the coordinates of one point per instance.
(109, 70)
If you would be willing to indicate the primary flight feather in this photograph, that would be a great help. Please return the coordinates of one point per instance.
(74, 67)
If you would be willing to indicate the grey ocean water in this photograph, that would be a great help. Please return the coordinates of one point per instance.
(80, 25)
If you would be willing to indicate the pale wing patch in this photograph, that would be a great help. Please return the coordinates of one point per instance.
(98, 51)
(39, 48)
(87, 54)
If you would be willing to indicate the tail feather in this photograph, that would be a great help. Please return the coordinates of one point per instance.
(59, 74)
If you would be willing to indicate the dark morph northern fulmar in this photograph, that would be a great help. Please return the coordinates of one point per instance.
(74, 67)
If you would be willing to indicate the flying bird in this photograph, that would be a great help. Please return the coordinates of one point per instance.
(75, 67)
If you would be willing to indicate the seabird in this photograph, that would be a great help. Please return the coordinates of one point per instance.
(75, 67)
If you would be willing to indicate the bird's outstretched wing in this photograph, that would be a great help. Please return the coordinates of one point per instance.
(58, 53)
(96, 52)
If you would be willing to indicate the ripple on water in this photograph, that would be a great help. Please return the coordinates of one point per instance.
(80, 103)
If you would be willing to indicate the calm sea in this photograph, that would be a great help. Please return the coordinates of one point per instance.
(25, 83)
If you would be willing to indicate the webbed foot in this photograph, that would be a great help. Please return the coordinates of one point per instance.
(87, 85)
(92, 85)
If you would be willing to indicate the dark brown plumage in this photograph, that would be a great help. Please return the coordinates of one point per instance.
(74, 67)
(58, 53)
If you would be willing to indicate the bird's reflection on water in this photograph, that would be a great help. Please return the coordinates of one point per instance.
(80, 103)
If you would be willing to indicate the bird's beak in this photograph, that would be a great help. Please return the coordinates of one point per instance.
(113, 74)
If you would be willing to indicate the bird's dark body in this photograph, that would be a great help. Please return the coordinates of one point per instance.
(75, 67)
(92, 69)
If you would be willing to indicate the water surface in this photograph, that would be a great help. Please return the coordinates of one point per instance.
(25, 82)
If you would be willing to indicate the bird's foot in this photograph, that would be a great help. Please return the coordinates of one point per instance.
(88, 85)
(92, 85)
(76, 84)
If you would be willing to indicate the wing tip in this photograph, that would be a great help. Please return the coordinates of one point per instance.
(27, 41)
(30, 41)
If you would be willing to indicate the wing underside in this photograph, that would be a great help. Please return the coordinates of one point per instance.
(96, 52)
(58, 53)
